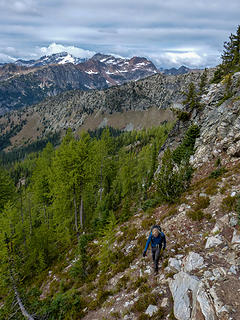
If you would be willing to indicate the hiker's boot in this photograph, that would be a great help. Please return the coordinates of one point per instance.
(156, 272)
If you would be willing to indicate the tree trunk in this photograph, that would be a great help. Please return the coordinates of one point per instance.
(81, 218)
(21, 198)
(20, 303)
(75, 212)
(30, 215)
(19, 300)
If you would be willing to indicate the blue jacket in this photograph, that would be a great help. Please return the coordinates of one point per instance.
(159, 240)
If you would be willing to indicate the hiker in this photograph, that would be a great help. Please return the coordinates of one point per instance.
(157, 239)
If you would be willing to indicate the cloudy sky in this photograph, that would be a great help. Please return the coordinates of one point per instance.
(169, 32)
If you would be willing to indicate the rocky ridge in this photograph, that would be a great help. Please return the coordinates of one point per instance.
(131, 106)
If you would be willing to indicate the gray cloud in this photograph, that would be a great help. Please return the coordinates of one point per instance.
(171, 33)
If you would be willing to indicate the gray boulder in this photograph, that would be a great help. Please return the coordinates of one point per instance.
(193, 261)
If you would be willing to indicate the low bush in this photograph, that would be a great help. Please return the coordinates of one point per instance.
(150, 203)
(195, 215)
(217, 173)
(229, 203)
(202, 203)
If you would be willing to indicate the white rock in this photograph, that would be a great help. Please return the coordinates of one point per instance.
(236, 237)
(180, 287)
(128, 303)
(148, 270)
(233, 194)
(233, 221)
(233, 269)
(213, 242)
(151, 310)
(174, 264)
(164, 302)
(218, 273)
(205, 303)
(193, 261)
(207, 274)
(215, 229)
(225, 219)
(218, 304)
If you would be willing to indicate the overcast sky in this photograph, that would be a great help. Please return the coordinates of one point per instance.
(169, 32)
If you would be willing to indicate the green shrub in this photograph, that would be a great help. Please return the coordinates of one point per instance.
(212, 188)
(229, 203)
(138, 283)
(150, 203)
(202, 203)
(148, 223)
(217, 173)
(122, 283)
(195, 215)
(143, 302)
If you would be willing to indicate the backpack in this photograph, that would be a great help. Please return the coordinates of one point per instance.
(158, 227)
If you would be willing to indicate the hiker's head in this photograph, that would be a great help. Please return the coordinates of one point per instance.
(155, 232)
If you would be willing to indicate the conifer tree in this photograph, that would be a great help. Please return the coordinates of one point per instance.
(230, 57)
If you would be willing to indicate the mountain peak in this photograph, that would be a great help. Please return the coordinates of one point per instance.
(55, 58)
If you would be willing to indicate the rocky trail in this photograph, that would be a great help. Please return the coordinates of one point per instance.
(199, 274)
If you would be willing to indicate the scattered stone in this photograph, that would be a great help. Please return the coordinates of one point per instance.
(233, 221)
(207, 274)
(151, 310)
(215, 229)
(225, 219)
(233, 269)
(236, 237)
(218, 273)
(174, 264)
(164, 302)
(213, 242)
(128, 303)
(193, 261)
(148, 270)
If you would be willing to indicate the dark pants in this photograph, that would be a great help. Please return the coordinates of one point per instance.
(156, 257)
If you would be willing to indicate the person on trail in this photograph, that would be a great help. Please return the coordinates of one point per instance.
(158, 240)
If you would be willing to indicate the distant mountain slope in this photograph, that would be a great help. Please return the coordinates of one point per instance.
(180, 70)
(23, 86)
(133, 105)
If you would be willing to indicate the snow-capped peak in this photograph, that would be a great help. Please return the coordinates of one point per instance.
(56, 58)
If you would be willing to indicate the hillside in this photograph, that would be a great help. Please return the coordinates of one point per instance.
(134, 105)
(199, 275)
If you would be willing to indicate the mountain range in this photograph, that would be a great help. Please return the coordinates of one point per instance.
(29, 82)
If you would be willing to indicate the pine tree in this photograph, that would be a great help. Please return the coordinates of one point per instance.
(230, 57)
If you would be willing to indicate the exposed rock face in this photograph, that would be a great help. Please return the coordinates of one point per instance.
(219, 124)
(184, 290)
